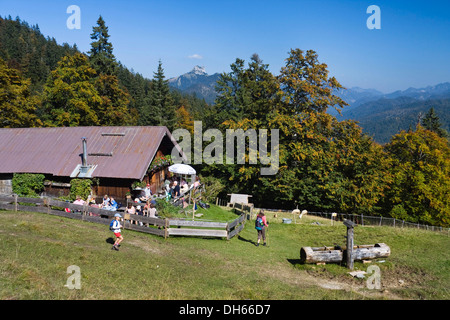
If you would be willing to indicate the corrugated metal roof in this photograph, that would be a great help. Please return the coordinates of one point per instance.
(118, 152)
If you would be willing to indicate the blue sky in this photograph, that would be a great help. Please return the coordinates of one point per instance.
(412, 48)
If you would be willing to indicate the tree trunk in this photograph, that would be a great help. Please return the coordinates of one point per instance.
(338, 254)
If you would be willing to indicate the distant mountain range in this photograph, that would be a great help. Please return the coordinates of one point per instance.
(357, 96)
(381, 115)
(197, 82)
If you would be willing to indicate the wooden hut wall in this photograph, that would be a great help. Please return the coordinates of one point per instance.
(6, 183)
(116, 188)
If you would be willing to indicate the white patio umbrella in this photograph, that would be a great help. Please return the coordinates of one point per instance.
(181, 168)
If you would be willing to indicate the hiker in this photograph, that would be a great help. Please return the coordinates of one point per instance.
(260, 226)
(115, 227)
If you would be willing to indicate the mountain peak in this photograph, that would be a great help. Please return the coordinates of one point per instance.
(197, 81)
(198, 70)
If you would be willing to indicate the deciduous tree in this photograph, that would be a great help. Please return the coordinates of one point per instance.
(113, 109)
(421, 172)
(70, 94)
(17, 103)
(324, 164)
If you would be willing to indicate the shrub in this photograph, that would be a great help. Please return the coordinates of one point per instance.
(212, 188)
(398, 212)
(166, 209)
(138, 184)
(28, 184)
(80, 187)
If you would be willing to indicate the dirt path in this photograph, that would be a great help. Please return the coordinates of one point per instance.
(292, 276)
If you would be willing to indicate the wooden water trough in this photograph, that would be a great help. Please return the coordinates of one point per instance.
(337, 254)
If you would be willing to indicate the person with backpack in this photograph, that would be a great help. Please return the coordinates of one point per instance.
(260, 225)
(115, 227)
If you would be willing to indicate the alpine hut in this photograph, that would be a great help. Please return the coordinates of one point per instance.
(115, 158)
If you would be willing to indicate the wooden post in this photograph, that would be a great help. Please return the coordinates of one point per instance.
(15, 202)
(333, 217)
(166, 228)
(350, 225)
(48, 204)
(126, 216)
(350, 248)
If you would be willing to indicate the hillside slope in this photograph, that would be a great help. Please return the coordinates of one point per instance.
(38, 248)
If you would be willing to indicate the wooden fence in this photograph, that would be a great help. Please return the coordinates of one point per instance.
(157, 226)
(367, 220)
(247, 210)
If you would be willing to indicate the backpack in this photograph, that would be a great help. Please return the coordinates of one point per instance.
(111, 224)
(203, 205)
(259, 224)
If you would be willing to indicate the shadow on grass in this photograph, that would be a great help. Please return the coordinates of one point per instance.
(110, 240)
(295, 262)
(247, 240)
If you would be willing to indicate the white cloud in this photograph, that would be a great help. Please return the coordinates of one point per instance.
(195, 56)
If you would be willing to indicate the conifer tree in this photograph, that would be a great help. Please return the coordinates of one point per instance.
(161, 110)
(246, 93)
(101, 54)
(432, 122)
(115, 106)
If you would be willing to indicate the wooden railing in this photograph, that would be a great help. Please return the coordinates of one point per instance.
(157, 226)
(241, 208)
(199, 228)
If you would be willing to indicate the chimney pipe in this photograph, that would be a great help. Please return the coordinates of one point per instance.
(84, 159)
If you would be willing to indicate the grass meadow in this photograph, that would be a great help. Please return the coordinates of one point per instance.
(36, 250)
